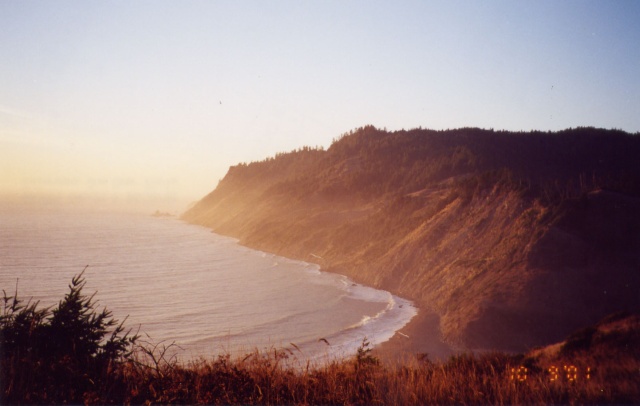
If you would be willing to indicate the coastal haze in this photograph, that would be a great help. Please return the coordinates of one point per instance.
(146, 105)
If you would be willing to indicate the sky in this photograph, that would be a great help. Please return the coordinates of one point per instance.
(148, 103)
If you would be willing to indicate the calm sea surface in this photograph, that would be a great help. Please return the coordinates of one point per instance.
(181, 283)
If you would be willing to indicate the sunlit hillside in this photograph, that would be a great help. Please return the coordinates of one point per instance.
(513, 239)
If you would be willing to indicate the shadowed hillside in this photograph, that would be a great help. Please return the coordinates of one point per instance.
(514, 239)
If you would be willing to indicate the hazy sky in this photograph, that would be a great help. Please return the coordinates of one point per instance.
(158, 98)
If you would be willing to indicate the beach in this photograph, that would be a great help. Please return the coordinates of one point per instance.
(419, 337)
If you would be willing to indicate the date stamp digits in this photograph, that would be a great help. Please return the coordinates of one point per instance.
(567, 373)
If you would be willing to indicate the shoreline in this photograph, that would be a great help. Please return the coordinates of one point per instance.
(315, 350)
(420, 337)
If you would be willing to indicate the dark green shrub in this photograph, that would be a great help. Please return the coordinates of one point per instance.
(63, 355)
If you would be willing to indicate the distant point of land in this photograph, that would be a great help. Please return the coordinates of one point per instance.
(159, 213)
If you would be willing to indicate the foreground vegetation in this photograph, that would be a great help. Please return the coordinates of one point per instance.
(77, 354)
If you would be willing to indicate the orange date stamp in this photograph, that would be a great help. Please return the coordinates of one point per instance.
(566, 373)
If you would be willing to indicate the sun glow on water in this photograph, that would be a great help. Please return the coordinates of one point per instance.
(182, 283)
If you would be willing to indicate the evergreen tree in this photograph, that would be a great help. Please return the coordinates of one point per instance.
(59, 355)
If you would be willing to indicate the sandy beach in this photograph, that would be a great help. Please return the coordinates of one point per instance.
(420, 336)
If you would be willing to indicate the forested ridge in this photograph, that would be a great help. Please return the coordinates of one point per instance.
(514, 239)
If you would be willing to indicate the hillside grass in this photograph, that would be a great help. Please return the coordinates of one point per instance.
(263, 378)
(272, 378)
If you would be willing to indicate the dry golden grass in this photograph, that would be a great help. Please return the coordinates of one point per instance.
(149, 376)
(277, 378)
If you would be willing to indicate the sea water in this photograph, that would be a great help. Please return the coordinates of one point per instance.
(180, 283)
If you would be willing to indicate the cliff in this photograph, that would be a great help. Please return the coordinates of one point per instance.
(514, 239)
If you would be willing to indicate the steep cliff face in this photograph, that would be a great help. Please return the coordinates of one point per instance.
(513, 239)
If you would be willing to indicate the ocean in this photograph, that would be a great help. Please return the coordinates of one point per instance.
(180, 283)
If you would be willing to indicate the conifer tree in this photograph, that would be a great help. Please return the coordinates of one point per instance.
(59, 355)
